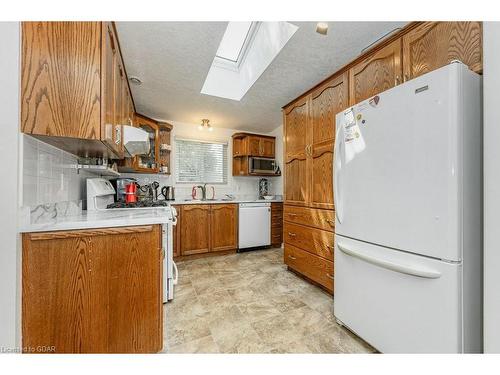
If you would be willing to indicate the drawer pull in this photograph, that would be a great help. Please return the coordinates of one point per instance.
(329, 276)
(329, 248)
(293, 215)
(291, 257)
(331, 222)
(291, 234)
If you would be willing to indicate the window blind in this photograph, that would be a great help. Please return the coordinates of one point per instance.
(200, 161)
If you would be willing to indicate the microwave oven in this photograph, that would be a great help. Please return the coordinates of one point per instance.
(261, 166)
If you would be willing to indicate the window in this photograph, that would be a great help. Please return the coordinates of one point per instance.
(200, 161)
(233, 41)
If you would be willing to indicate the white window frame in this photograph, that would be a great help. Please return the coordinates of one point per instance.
(225, 158)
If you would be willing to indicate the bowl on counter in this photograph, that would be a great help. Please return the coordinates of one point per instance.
(268, 197)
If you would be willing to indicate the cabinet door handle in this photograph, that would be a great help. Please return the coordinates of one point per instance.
(291, 234)
(329, 247)
(330, 276)
(293, 215)
(396, 81)
(331, 222)
(405, 78)
(291, 257)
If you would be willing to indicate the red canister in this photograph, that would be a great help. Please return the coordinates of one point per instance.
(131, 193)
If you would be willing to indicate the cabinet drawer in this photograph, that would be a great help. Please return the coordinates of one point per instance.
(312, 266)
(315, 241)
(313, 217)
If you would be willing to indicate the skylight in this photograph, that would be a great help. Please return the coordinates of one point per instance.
(233, 41)
(244, 53)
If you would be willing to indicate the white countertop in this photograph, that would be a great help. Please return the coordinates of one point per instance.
(222, 201)
(103, 219)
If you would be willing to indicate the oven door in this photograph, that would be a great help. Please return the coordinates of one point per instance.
(261, 166)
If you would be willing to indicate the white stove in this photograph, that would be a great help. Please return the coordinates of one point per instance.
(100, 197)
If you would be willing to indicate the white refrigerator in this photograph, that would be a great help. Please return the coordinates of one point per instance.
(408, 203)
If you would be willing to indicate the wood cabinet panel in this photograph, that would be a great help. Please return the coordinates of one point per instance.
(195, 229)
(376, 73)
(326, 102)
(109, 53)
(295, 129)
(315, 241)
(312, 266)
(61, 79)
(93, 291)
(313, 217)
(276, 224)
(223, 227)
(296, 181)
(254, 148)
(135, 292)
(267, 147)
(435, 44)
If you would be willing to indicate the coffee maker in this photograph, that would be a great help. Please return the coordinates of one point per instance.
(119, 184)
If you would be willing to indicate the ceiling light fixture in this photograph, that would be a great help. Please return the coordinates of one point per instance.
(135, 81)
(205, 123)
(322, 28)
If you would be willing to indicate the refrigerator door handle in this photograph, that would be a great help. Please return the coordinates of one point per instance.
(418, 271)
(336, 173)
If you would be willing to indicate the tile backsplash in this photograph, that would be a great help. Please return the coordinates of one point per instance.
(49, 174)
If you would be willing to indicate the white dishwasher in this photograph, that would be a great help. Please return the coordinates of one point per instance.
(254, 228)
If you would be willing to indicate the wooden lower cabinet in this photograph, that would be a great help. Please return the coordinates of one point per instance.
(223, 227)
(312, 266)
(318, 218)
(276, 224)
(208, 228)
(313, 240)
(93, 291)
(308, 236)
(195, 229)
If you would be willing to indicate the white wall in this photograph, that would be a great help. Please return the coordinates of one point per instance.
(239, 186)
(491, 84)
(9, 248)
(49, 175)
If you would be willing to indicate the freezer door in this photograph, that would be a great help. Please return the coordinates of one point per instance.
(398, 302)
(398, 167)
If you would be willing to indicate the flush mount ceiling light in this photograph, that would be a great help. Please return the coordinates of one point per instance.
(205, 124)
(135, 81)
(322, 28)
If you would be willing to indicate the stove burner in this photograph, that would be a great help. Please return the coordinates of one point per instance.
(140, 204)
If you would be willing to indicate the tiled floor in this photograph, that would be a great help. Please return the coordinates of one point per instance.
(250, 303)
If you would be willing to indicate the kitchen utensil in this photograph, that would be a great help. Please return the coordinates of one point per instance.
(155, 185)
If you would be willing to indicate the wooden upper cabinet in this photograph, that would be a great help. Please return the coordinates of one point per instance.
(253, 146)
(267, 147)
(435, 44)
(296, 142)
(376, 73)
(73, 85)
(109, 57)
(295, 129)
(326, 102)
(195, 229)
(223, 227)
(61, 79)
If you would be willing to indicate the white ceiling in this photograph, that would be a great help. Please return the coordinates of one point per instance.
(173, 58)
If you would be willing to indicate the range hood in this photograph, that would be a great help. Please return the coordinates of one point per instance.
(135, 141)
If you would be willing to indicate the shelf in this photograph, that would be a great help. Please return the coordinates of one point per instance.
(102, 170)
